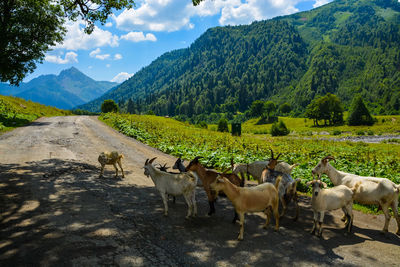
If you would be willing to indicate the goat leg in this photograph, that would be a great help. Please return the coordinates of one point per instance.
(116, 170)
(395, 203)
(122, 170)
(212, 207)
(235, 217)
(241, 231)
(321, 219)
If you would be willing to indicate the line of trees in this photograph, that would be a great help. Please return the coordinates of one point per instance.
(329, 109)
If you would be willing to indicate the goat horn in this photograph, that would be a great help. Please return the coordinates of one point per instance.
(151, 161)
(147, 160)
(272, 153)
(196, 159)
(278, 156)
(329, 157)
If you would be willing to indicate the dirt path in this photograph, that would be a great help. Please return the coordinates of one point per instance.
(56, 211)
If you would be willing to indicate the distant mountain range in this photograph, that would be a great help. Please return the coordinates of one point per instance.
(346, 47)
(67, 90)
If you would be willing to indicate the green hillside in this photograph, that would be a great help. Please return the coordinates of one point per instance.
(15, 112)
(344, 48)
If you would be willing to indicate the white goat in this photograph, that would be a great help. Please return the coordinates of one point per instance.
(331, 199)
(373, 190)
(174, 184)
(256, 168)
(111, 158)
(263, 197)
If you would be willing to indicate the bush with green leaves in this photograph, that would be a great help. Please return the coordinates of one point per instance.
(223, 125)
(109, 105)
(279, 129)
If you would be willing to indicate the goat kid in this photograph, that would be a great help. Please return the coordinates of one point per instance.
(110, 158)
(331, 199)
(372, 190)
(174, 184)
(263, 197)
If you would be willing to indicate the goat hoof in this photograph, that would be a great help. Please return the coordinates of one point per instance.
(240, 238)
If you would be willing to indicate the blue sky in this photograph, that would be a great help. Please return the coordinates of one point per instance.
(132, 39)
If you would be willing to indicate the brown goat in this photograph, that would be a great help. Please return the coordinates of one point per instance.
(263, 197)
(207, 177)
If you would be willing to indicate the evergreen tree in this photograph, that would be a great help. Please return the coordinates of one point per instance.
(131, 106)
(359, 114)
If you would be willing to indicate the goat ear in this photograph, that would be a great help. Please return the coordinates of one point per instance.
(310, 183)
(323, 184)
(151, 161)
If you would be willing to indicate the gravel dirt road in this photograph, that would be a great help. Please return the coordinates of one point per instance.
(55, 211)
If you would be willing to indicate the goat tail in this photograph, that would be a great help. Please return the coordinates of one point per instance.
(355, 188)
(120, 156)
(278, 180)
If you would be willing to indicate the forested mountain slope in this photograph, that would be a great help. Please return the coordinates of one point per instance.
(345, 47)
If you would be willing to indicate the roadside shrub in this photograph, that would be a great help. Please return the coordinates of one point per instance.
(370, 132)
(279, 129)
(337, 132)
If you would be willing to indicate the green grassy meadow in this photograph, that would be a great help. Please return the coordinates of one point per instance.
(301, 126)
(187, 141)
(16, 112)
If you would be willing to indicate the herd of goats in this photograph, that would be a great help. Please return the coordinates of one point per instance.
(275, 186)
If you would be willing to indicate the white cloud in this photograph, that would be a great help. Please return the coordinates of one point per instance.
(96, 54)
(238, 12)
(321, 3)
(70, 57)
(117, 56)
(108, 65)
(156, 15)
(121, 77)
(174, 15)
(108, 24)
(76, 38)
(139, 37)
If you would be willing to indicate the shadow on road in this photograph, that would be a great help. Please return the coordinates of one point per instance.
(58, 212)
